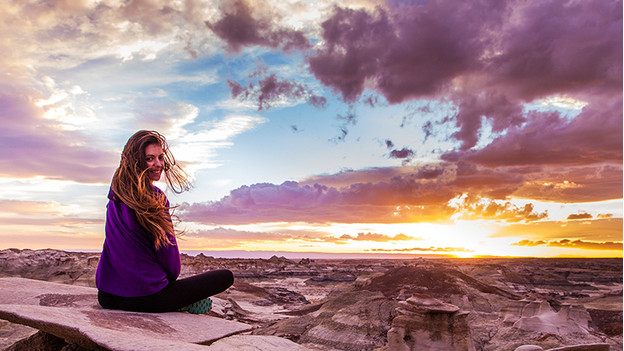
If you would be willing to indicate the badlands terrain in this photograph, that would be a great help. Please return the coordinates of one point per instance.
(398, 304)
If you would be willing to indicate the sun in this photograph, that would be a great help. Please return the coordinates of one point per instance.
(464, 254)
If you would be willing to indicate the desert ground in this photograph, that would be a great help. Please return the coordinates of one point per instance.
(375, 304)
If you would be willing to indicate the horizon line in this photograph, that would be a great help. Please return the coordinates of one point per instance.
(262, 254)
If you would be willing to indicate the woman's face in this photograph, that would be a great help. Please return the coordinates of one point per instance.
(155, 160)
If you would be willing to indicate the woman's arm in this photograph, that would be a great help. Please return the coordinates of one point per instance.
(169, 255)
(169, 259)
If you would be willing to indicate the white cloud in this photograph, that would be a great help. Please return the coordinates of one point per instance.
(198, 149)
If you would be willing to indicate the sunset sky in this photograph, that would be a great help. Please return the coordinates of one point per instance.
(402, 127)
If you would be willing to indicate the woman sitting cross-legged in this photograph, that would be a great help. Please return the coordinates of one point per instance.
(140, 261)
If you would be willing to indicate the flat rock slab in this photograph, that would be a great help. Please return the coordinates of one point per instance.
(72, 313)
(255, 343)
(21, 291)
(587, 347)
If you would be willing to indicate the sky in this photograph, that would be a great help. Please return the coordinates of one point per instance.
(349, 127)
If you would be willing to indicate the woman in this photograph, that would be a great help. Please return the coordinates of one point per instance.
(140, 260)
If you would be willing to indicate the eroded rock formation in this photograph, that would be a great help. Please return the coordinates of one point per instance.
(426, 323)
(346, 321)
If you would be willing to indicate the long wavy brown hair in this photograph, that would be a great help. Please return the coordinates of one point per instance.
(133, 186)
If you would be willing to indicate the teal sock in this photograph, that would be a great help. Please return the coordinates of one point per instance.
(199, 307)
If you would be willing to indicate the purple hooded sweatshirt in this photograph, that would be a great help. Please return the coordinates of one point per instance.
(130, 265)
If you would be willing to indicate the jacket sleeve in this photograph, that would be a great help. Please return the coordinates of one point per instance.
(169, 256)
(169, 259)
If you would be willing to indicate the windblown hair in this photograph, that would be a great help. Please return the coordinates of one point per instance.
(133, 186)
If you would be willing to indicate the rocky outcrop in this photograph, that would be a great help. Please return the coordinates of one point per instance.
(425, 323)
(345, 321)
(552, 324)
(44, 342)
(50, 265)
(443, 281)
(272, 295)
(543, 317)
(11, 332)
(607, 321)
(585, 347)
(334, 277)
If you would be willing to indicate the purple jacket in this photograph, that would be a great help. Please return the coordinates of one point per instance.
(130, 265)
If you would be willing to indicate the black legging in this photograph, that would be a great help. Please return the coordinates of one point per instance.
(174, 296)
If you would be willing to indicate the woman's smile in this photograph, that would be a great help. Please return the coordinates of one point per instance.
(155, 160)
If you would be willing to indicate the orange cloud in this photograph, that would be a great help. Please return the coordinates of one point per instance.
(377, 237)
(410, 194)
(28, 207)
(425, 249)
(594, 230)
(227, 237)
(479, 208)
(37, 213)
(576, 244)
(598, 182)
(580, 216)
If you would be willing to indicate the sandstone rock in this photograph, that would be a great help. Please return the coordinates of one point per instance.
(41, 341)
(425, 323)
(549, 325)
(542, 317)
(11, 332)
(356, 320)
(72, 313)
(272, 295)
(426, 303)
(529, 348)
(119, 330)
(50, 265)
(335, 277)
(35, 292)
(254, 343)
(607, 321)
(586, 347)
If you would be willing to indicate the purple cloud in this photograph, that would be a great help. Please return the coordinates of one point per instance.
(594, 136)
(270, 89)
(239, 28)
(487, 63)
(404, 153)
(32, 146)
(422, 195)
